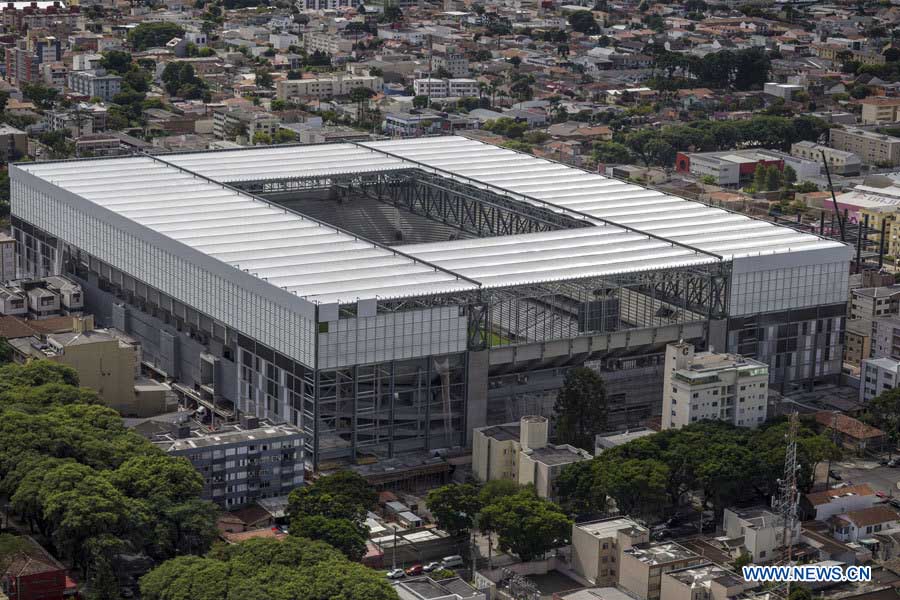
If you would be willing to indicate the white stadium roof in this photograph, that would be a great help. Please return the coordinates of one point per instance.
(181, 196)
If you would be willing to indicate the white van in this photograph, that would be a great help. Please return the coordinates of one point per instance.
(452, 562)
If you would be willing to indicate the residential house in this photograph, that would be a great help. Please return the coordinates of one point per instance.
(851, 433)
(861, 525)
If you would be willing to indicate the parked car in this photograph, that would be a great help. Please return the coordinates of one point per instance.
(881, 494)
(452, 562)
(432, 566)
(834, 475)
(414, 570)
(895, 503)
(893, 463)
(396, 574)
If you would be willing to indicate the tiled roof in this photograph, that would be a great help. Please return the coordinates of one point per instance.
(818, 498)
(848, 425)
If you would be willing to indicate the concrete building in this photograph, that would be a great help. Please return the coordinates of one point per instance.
(453, 62)
(703, 582)
(731, 168)
(860, 525)
(596, 547)
(228, 124)
(878, 375)
(426, 588)
(13, 145)
(839, 162)
(7, 259)
(242, 463)
(873, 148)
(43, 297)
(761, 529)
(613, 439)
(520, 452)
(333, 86)
(324, 41)
(709, 386)
(446, 88)
(879, 111)
(821, 506)
(106, 362)
(874, 303)
(379, 350)
(23, 61)
(885, 342)
(95, 84)
(641, 567)
(858, 341)
(782, 90)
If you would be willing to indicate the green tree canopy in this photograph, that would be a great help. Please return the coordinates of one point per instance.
(583, 21)
(527, 525)
(454, 506)
(343, 534)
(290, 569)
(580, 409)
(153, 34)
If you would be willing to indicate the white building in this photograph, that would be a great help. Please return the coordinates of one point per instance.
(96, 83)
(519, 452)
(323, 41)
(823, 505)
(596, 546)
(839, 161)
(762, 532)
(710, 386)
(446, 88)
(861, 525)
(878, 375)
(325, 87)
(782, 90)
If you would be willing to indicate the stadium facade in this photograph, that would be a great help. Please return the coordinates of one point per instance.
(523, 268)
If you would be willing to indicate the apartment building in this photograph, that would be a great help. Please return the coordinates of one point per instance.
(874, 303)
(446, 88)
(596, 546)
(873, 148)
(242, 463)
(710, 386)
(858, 341)
(519, 452)
(703, 582)
(24, 60)
(885, 342)
(454, 63)
(839, 161)
(641, 567)
(13, 145)
(877, 111)
(325, 41)
(339, 84)
(95, 84)
(236, 122)
(878, 375)
(761, 531)
(41, 298)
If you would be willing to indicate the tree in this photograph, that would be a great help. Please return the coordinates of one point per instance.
(883, 412)
(264, 78)
(580, 409)
(515, 61)
(153, 34)
(790, 175)
(773, 178)
(342, 534)
(285, 136)
(580, 488)
(262, 569)
(420, 101)
(583, 21)
(495, 489)
(6, 351)
(454, 506)
(116, 61)
(527, 525)
(42, 95)
(344, 495)
(759, 178)
(800, 592)
(611, 152)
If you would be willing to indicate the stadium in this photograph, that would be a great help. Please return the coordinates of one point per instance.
(389, 296)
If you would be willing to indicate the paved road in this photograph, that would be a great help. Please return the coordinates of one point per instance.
(879, 478)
